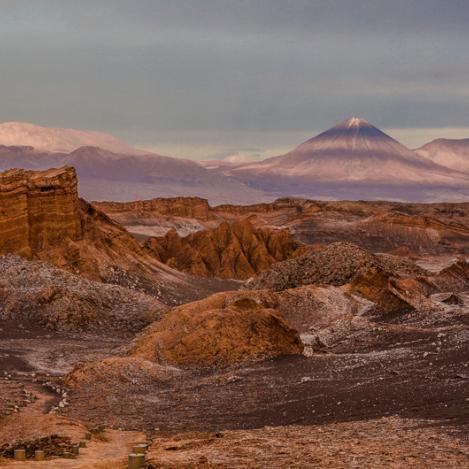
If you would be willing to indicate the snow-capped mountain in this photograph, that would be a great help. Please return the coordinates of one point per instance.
(50, 139)
(354, 159)
(453, 153)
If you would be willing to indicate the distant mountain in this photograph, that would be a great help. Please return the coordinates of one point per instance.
(448, 152)
(50, 139)
(105, 175)
(354, 160)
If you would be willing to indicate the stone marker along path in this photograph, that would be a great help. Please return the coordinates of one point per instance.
(108, 450)
(110, 454)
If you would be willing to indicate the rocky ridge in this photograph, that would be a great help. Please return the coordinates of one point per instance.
(418, 229)
(337, 264)
(238, 250)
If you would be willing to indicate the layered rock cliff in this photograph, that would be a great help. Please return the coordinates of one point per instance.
(187, 207)
(238, 250)
(377, 226)
(38, 210)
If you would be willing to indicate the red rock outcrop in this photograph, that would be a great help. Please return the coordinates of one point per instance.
(41, 217)
(212, 333)
(186, 207)
(237, 250)
(454, 277)
(38, 210)
(376, 226)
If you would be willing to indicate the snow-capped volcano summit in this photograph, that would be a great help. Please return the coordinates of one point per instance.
(352, 141)
(351, 159)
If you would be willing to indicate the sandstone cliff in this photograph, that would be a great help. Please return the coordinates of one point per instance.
(187, 207)
(38, 210)
(237, 250)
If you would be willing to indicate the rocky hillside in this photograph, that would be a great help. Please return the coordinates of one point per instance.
(212, 333)
(41, 217)
(237, 250)
(37, 293)
(337, 264)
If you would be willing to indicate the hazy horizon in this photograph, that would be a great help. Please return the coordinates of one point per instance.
(214, 78)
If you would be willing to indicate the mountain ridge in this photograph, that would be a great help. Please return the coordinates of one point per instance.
(58, 139)
(453, 153)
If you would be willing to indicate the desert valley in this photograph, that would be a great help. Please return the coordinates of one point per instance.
(295, 332)
(234, 234)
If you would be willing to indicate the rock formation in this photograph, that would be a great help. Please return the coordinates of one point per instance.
(41, 217)
(237, 250)
(417, 229)
(38, 210)
(454, 277)
(393, 285)
(122, 369)
(185, 207)
(211, 333)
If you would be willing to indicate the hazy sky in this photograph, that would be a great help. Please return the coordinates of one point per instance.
(209, 78)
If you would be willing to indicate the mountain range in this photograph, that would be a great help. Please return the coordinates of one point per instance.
(352, 160)
(112, 170)
(50, 139)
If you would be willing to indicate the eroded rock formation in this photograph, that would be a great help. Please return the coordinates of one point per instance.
(186, 207)
(211, 333)
(237, 250)
(41, 217)
(38, 210)
(405, 228)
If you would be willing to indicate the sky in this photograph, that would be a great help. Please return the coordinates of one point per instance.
(210, 79)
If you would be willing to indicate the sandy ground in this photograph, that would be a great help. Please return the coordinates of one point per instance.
(384, 443)
(382, 395)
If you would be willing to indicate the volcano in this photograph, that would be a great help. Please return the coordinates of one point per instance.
(355, 160)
